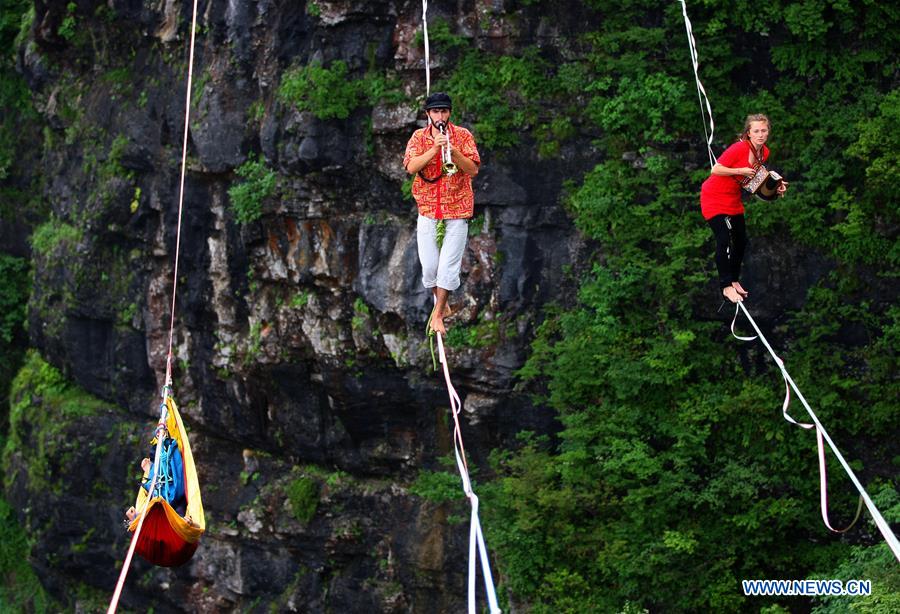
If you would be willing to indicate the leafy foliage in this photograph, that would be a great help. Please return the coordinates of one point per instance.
(875, 563)
(303, 494)
(42, 403)
(500, 94)
(674, 477)
(68, 27)
(20, 589)
(330, 93)
(438, 486)
(259, 184)
(15, 100)
(13, 299)
(52, 233)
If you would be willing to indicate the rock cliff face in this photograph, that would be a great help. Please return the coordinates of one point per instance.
(299, 345)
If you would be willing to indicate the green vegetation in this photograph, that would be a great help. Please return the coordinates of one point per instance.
(484, 333)
(42, 404)
(500, 95)
(327, 92)
(503, 97)
(20, 590)
(361, 314)
(476, 225)
(875, 563)
(18, 117)
(13, 299)
(437, 486)
(52, 233)
(260, 182)
(331, 93)
(68, 27)
(301, 299)
(120, 80)
(674, 476)
(257, 111)
(303, 494)
(406, 188)
(254, 343)
(102, 162)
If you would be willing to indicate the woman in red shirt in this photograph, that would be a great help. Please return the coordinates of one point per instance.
(720, 201)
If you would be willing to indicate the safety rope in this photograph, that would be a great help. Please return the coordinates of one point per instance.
(167, 387)
(162, 471)
(427, 58)
(701, 91)
(477, 548)
(476, 537)
(821, 437)
(184, 145)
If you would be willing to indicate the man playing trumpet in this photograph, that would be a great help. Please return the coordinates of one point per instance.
(443, 157)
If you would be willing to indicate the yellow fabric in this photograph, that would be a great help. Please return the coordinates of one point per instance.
(189, 532)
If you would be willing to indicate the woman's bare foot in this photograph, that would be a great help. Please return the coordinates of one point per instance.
(740, 289)
(130, 513)
(437, 324)
(145, 465)
(189, 520)
(731, 294)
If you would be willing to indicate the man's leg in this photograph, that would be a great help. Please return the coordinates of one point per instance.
(437, 320)
(428, 250)
(449, 265)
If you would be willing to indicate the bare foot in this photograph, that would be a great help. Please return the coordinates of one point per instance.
(189, 520)
(740, 289)
(437, 325)
(130, 513)
(731, 294)
(447, 312)
(145, 465)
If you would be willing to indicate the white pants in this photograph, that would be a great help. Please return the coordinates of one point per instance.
(441, 267)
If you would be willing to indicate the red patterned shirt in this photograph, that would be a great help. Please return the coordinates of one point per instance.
(451, 196)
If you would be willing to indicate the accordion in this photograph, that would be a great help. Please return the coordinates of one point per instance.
(764, 184)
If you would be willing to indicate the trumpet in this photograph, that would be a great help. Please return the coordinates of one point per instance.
(447, 164)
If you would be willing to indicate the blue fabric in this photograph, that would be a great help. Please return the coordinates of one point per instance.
(170, 485)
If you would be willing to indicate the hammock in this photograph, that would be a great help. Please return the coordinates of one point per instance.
(166, 538)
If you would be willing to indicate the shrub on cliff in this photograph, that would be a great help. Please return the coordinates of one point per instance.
(247, 196)
(303, 494)
(331, 93)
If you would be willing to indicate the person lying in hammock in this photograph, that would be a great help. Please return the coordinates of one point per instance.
(170, 484)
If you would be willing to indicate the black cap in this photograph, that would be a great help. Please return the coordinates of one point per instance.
(438, 100)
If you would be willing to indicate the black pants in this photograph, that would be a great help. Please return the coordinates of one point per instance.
(730, 244)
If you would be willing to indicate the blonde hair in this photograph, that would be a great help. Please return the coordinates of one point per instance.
(756, 117)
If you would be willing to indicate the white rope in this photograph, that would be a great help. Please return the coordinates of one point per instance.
(477, 547)
(476, 537)
(184, 145)
(427, 58)
(701, 92)
(821, 434)
(114, 602)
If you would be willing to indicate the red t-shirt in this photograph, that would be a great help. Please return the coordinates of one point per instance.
(720, 194)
